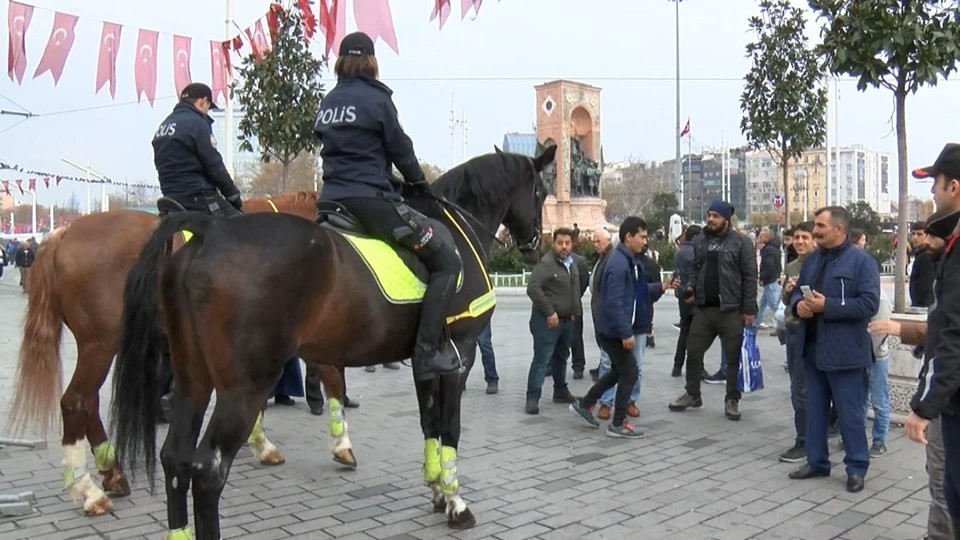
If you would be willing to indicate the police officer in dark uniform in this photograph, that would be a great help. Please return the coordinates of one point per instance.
(189, 166)
(362, 138)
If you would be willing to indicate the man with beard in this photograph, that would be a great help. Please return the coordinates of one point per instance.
(937, 394)
(724, 291)
(837, 293)
(939, 227)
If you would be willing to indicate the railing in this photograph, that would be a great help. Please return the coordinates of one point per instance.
(521, 280)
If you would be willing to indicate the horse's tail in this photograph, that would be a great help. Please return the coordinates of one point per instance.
(39, 378)
(136, 380)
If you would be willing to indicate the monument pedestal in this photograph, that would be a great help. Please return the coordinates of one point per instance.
(586, 212)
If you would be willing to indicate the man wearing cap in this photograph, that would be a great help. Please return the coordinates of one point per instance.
(724, 293)
(189, 166)
(937, 394)
(362, 140)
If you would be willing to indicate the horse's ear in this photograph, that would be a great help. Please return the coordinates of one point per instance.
(546, 157)
(497, 149)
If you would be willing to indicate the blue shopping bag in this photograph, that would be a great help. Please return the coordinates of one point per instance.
(750, 378)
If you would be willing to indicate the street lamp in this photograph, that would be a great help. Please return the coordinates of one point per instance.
(677, 180)
(104, 201)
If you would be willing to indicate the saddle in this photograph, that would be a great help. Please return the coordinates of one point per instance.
(334, 215)
(166, 205)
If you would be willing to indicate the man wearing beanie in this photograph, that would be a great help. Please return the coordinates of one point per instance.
(724, 293)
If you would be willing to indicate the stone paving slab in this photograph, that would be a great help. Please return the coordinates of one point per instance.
(696, 475)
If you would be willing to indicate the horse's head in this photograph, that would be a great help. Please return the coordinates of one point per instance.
(524, 217)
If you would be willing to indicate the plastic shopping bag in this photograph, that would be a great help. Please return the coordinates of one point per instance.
(750, 378)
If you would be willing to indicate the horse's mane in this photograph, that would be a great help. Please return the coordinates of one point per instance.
(485, 179)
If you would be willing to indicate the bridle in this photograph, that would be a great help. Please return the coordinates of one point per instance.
(534, 243)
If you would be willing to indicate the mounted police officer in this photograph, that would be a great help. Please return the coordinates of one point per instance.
(189, 166)
(362, 138)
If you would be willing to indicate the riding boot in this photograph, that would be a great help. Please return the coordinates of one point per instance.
(430, 357)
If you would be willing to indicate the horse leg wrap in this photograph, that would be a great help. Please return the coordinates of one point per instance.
(337, 423)
(104, 456)
(77, 480)
(257, 436)
(448, 465)
(180, 534)
(431, 461)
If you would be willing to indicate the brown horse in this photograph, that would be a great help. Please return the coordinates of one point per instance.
(77, 280)
(330, 296)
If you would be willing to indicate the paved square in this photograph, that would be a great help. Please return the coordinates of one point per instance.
(696, 475)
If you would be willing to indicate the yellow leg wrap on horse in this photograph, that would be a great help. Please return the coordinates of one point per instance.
(104, 456)
(448, 464)
(431, 461)
(180, 534)
(256, 435)
(336, 417)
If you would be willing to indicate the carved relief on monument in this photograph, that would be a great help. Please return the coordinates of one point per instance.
(549, 170)
(584, 171)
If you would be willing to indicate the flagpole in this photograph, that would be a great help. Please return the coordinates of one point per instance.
(227, 106)
(677, 172)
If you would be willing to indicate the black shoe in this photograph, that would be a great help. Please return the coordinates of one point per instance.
(316, 411)
(349, 403)
(563, 396)
(684, 402)
(807, 471)
(794, 455)
(595, 374)
(854, 483)
(532, 407)
(284, 400)
(677, 371)
(493, 387)
(651, 342)
(577, 374)
(434, 355)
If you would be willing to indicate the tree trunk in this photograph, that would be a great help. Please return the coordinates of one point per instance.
(283, 175)
(903, 211)
(785, 164)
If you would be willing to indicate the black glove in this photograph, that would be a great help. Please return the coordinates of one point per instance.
(236, 201)
(421, 187)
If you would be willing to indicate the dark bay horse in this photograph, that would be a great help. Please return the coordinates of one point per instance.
(77, 280)
(305, 291)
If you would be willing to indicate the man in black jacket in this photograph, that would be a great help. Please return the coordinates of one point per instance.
(924, 268)
(771, 267)
(937, 394)
(724, 292)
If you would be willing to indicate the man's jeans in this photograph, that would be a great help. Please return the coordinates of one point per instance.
(545, 343)
(879, 399)
(486, 355)
(639, 347)
(770, 299)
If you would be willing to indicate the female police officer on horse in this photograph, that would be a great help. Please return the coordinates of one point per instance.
(362, 138)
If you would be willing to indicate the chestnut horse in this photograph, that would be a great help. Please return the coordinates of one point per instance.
(307, 292)
(77, 280)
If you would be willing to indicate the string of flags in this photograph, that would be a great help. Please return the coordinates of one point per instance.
(371, 16)
(47, 178)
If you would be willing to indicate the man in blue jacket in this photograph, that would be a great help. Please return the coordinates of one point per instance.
(621, 326)
(837, 293)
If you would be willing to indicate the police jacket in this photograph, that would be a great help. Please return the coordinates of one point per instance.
(186, 157)
(851, 284)
(362, 138)
(940, 376)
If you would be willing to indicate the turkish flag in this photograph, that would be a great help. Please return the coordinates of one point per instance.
(58, 47)
(374, 18)
(18, 21)
(258, 41)
(441, 7)
(145, 69)
(333, 22)
(220, 68)
(107, 61)
(686, 128)
(465, 6)
(309, 21)
(273, 25)
(33, 184)
(46, 182)
(20, 185)
(59, 178)
(6, 186)
(181, 63)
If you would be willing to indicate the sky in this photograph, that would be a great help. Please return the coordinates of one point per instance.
(487, 65)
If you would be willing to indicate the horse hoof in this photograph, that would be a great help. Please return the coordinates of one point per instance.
(272, 458)
(98, 507)
(439, 507)
(346, 458)
(463, 520)
(115, 483)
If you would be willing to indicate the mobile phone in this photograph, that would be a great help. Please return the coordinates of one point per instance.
(805, 289)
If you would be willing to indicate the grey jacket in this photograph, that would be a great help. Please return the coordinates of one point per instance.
(737, 269)
(553, 289)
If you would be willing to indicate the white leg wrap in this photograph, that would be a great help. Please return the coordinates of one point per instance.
(455, 505)
(76, 478)
(343, 441)
(263, 449)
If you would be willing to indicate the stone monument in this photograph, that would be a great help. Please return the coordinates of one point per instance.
(568, 116)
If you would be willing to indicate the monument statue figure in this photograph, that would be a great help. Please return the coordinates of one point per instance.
(584, 172)
(549, 171)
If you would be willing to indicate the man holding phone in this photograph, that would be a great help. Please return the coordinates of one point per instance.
(837, 293)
